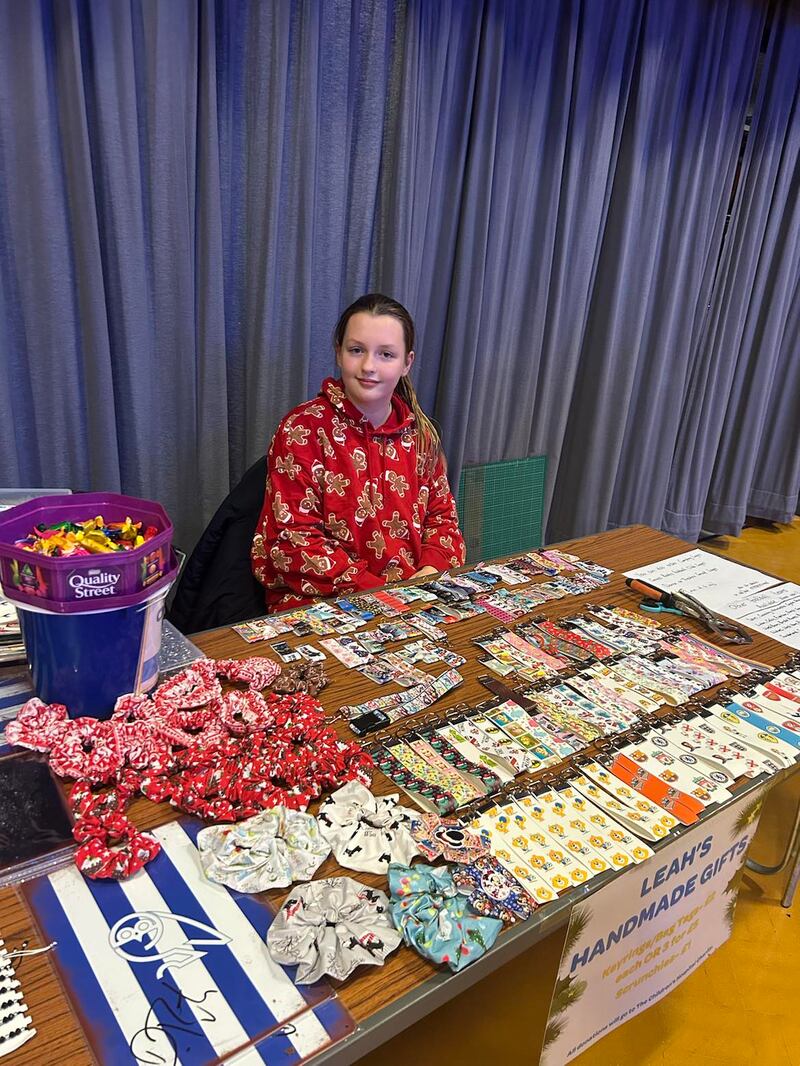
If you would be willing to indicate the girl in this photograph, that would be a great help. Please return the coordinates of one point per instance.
(357, 494)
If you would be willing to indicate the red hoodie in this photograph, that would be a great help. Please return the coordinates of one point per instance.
(349, 507)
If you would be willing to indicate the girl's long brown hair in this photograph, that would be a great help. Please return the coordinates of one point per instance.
(375, 303)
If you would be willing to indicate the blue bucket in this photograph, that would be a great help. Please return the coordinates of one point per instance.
(86, 660)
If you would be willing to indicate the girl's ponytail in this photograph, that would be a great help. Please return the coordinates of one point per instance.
(429, 444)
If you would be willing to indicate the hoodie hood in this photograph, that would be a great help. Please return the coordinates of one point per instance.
(401, 417)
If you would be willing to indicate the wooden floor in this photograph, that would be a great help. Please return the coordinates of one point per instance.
(740, 1008)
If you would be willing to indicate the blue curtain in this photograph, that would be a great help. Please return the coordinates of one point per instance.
(576, 219)
(527, 181)
(738, 452)
(302, 92)
(112, 318)
(187, 194)
(190, 192)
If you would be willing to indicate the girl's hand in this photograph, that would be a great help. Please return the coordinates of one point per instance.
(426, 571)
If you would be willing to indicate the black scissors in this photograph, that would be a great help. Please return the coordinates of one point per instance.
(657, 600)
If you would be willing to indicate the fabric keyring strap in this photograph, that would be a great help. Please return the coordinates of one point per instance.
(527, 729)
(448, 751)
(565, 834)
(513, 721)
(488, 736)
(435, 771)
(684, 807)
(571, 636)
(460, 784)
(429, 796)
(571, 650)
(562, 713)
(532, 652)
(643, 824)
(626, 795)
(766, 725)
(603, 831)
(632, 690)
(505, 692)
(474, 752)
(529, 864)
(652, 683)
(606, 696)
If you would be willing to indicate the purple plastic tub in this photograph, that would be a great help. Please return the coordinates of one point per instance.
(97, 603)
(84, 582)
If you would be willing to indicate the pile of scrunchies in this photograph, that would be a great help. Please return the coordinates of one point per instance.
(223, 755)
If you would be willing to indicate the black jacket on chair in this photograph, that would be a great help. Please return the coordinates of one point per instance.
(217, 587)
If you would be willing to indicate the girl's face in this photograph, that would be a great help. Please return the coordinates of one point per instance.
(372, 359)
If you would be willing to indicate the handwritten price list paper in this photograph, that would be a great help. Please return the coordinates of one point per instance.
(753, 599)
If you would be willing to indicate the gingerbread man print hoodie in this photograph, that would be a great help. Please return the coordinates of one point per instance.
(349, 507)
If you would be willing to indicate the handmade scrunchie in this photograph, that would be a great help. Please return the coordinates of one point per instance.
(133, 707)
(149, 730)
(88, 750)
(302, 677)
(244, 712)
(331, 927)
(258, 673)
(38, 725)
(492, 891)
(88, 802)
(435, 919)
(270, 850)
(111, 846)
(366, 832)
(195, 686)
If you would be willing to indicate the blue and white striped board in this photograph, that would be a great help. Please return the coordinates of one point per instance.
(171, 968)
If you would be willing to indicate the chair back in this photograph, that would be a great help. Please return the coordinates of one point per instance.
(217, 587)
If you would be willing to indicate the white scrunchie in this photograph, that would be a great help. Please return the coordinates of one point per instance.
(270, 850)
(367, 832)
(331, 927)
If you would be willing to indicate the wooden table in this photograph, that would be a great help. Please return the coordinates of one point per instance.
(382, 1001)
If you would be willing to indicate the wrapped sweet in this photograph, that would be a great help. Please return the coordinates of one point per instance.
(93, 536)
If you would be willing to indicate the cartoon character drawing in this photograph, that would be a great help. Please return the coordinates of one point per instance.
(160, 936)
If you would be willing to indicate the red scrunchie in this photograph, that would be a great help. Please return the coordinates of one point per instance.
(88, 749)
(38, 725)
(112, 847)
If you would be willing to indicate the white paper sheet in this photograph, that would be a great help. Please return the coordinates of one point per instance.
(775, 612)
(716, 582)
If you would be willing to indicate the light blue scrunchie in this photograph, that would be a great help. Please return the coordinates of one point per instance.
(435, 919)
